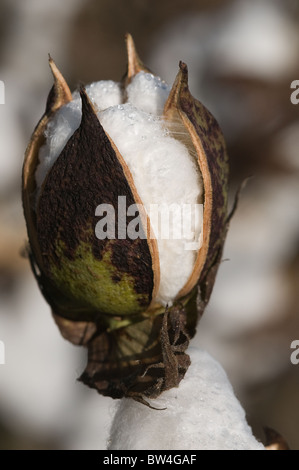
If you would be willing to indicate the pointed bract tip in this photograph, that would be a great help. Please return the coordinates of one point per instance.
(135, 65)
(129, 41)
(183, 67)
(183, 72)
(180, 83)
(84, 97)
(87, 105)
(62, 93)
(82, 89)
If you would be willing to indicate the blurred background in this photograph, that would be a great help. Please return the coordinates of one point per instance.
(242, 57)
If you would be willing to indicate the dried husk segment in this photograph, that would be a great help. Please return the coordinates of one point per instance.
(59, 95)
(41, 227)
(204, 139)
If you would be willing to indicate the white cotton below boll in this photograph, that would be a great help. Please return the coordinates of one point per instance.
(201, 414)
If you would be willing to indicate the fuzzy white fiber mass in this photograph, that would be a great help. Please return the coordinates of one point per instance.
(201, 414)
(165, 174)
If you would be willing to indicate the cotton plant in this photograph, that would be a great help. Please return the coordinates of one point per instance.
(115, 283)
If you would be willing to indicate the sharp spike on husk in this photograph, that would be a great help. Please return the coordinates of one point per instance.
(180, 82)
(61, 94)
(135, 65)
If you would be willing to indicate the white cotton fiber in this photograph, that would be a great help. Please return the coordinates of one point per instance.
(104, 94)
(163, 171)
(201, 414)
(148, 93)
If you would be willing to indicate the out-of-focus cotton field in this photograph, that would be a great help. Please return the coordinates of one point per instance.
(242, 57)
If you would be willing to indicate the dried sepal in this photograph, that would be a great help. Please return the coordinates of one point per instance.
(142, 360)
(77, 332)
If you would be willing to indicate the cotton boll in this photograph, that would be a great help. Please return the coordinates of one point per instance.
(165, 174)
(201, 414)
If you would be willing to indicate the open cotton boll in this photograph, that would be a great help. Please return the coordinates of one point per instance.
(201, 414)
(165, 174)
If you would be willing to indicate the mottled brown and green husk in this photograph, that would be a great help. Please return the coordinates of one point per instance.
(102, 292)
